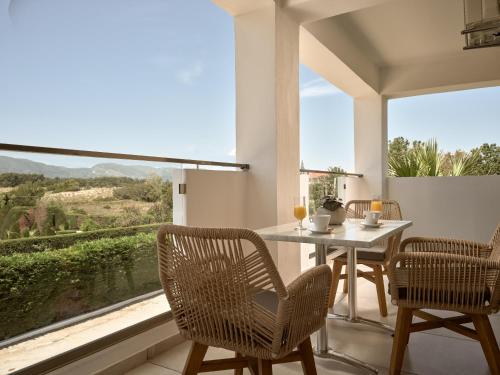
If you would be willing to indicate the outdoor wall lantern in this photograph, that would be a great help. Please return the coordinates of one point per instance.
(482, 23)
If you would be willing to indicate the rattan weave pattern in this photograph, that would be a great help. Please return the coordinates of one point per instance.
(211, 276)
(390, 211)
(447, 274)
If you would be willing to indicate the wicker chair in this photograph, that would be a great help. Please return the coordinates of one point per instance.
(224, 291)
(376, 257)
(446, 274)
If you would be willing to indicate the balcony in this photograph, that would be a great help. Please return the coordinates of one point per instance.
(99, 307)
(368, 344)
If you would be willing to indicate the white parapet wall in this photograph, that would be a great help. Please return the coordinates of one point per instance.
(466, 207)
(213, 198)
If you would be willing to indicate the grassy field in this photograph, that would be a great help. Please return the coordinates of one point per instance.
(96, 202)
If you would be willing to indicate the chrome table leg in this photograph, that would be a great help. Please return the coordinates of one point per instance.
(352, 296)
(322, 350)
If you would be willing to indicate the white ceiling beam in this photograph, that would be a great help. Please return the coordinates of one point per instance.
(345, 48)
(305, 11)
(321, 60)
(239, 7)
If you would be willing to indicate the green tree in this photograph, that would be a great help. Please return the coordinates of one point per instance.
(27, 194)
(398, 147)
(429, 158)
(324, 185)
(489, 162)
(425, 159)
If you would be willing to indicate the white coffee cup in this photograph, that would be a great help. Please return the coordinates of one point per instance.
(320, 222)
(371, 217)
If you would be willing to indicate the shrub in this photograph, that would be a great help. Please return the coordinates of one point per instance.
(89, 225)
(38, 289)
(38, 244)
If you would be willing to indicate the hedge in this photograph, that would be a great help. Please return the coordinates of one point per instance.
(38, 289)
(60, 241)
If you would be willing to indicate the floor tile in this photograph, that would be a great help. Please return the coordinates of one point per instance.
(436, 352)
(151, 369)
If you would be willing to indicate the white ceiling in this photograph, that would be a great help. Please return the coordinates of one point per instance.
(405, 32)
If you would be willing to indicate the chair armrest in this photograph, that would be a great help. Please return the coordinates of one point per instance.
(445, 281)
(445, 245)
(304, 310)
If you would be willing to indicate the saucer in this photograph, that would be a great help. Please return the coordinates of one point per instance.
(368, 225)
(328, 231)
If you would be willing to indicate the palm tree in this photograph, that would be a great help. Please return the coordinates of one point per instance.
(465, 164)
(430, 159)
(425, 159)
(404, 165)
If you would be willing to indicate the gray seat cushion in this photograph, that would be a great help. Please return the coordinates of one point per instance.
(268, 299)
(376, 253)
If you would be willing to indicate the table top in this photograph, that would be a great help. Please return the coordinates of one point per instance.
(350, 234)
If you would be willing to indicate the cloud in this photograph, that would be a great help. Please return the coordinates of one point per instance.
(189, 74)
(232, 152)
(318, 87)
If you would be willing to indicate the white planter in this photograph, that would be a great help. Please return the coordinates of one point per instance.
(337, 217)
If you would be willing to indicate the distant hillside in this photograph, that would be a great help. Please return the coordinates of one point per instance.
(8, 164)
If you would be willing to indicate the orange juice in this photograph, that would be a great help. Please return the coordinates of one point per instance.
(376, 205)
(299, 212)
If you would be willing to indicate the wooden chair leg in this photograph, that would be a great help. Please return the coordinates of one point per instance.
(195, 359)
(346, 282)
(488, 342)
(306, 352)
(379, 283)
(238, 371)
(265, 367)
(337, 270)
(400, 340)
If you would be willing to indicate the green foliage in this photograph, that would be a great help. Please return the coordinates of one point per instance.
(150, 190)
(26, 194)
(425, 159)
(489, 159)
(41, 288)
(323, 186)
(40, 244)
(70, 184)
(404, 165)
(15, 179)
(465, 164)
(89, 225)
(9, 224)
(429, 158)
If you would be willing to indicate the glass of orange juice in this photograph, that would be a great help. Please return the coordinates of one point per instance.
(376, 204)
(299, 210)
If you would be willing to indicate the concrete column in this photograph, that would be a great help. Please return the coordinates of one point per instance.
(267, 122)
(370, 147)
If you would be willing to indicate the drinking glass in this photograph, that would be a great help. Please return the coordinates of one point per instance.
(376, 204)
(299, 210)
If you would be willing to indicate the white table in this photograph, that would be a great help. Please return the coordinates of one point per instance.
(350, 235)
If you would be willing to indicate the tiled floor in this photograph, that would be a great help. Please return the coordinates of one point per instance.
(433, 352)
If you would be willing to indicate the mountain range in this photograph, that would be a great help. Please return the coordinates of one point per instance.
(17, 165)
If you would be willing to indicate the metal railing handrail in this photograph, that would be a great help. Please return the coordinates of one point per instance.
(347, 174)
(115, 155)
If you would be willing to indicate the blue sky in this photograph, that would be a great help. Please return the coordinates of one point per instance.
(156, 77)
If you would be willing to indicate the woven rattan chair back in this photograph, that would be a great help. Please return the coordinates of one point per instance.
(495, 244)
(447, 274)
(390, 209)
(211, 278)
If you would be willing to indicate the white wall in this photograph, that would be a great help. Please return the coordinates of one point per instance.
(370, 151)
(465, 207)
(213, 198)
(267, 122)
